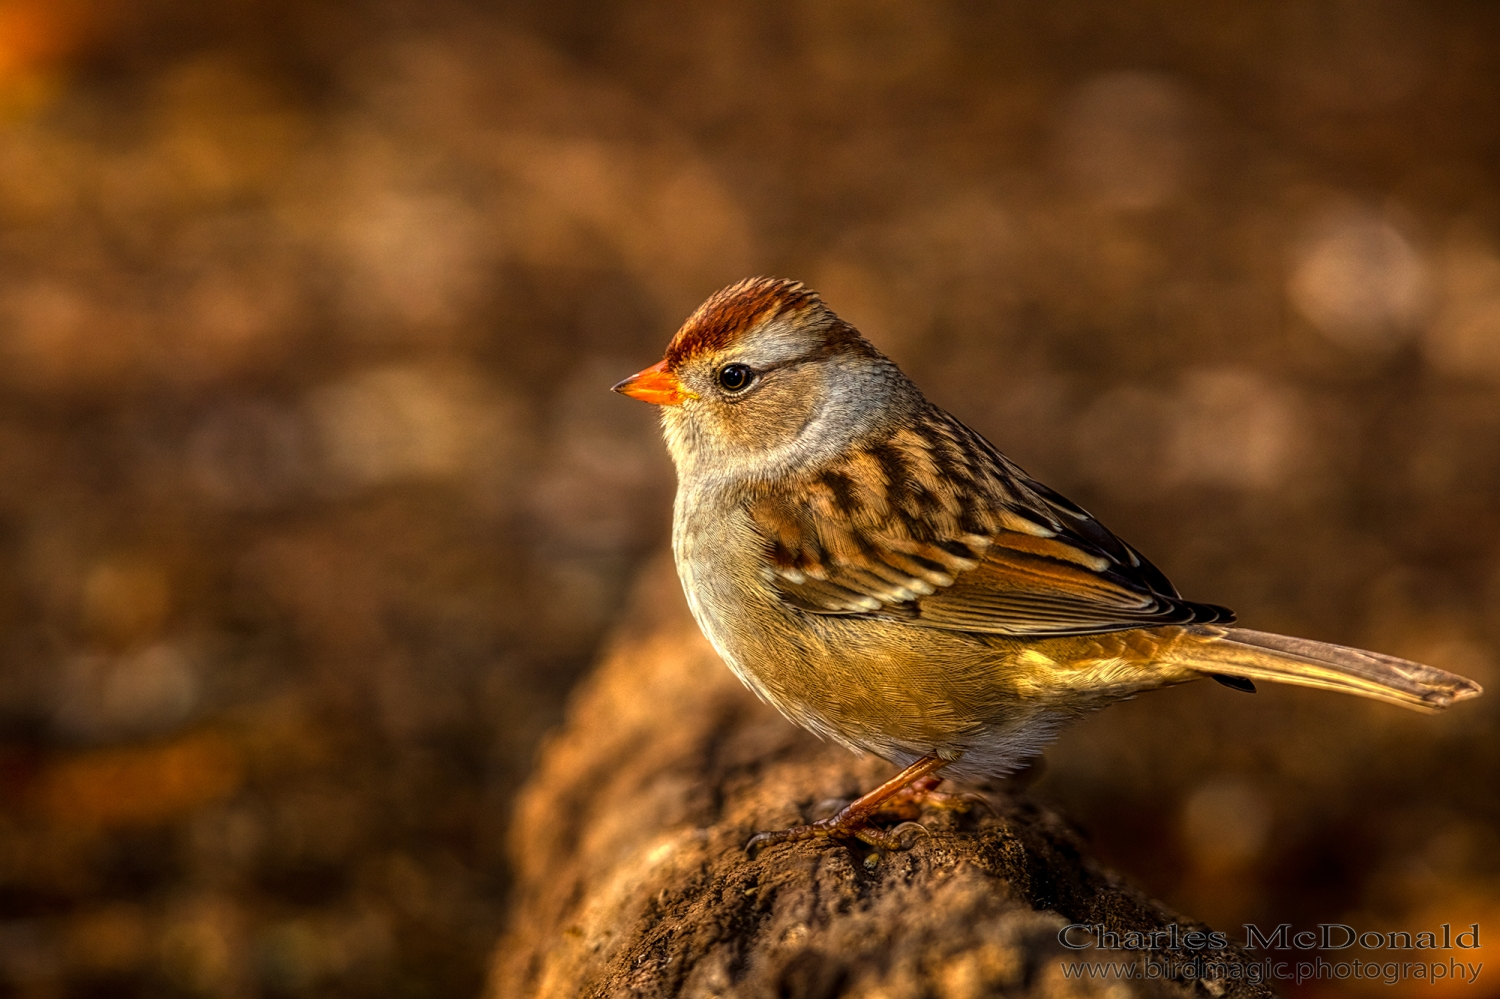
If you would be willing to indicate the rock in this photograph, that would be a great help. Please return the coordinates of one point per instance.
(632, 880)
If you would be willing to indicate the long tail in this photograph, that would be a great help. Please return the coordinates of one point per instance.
(1260, 655)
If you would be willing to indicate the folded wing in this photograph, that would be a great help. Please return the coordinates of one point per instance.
(939, 530)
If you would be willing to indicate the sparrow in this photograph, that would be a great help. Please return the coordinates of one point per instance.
(887, 579)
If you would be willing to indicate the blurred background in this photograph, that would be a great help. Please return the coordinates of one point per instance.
(314, 502)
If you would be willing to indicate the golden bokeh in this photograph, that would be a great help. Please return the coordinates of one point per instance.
(314, 502)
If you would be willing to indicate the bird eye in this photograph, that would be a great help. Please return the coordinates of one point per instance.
(735, 377)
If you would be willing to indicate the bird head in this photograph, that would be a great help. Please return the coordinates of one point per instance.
(764, 378)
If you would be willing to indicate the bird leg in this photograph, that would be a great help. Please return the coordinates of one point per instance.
(853, 820)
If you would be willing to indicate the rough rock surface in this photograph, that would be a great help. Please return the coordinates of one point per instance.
(631, 879)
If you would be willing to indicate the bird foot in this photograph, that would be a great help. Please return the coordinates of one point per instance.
(840, 826)
(915, 783)
(908, 802)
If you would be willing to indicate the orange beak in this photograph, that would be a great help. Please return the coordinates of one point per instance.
(655, 385)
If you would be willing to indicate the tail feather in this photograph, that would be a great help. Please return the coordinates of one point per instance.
(1260, 655)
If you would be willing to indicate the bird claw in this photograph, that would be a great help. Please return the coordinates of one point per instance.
(895, 834)
(966, 800)
(840, 826)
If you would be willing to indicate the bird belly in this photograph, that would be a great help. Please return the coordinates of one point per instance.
(903, 693)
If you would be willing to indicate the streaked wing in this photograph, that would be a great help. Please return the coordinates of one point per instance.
(938, 529)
